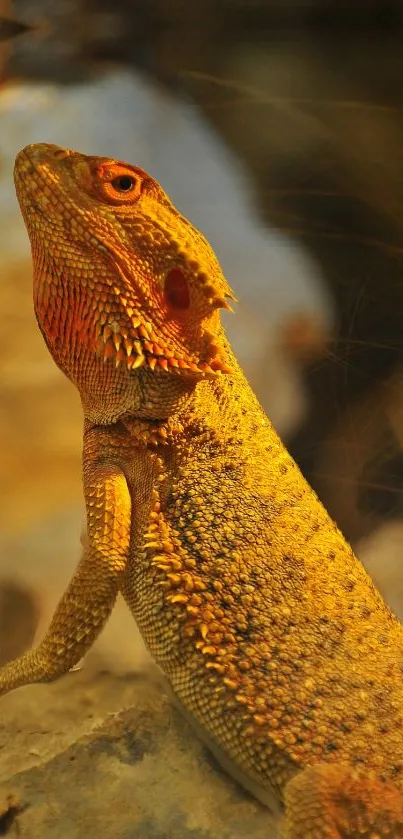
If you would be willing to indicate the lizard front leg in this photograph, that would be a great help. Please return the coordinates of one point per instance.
(91, 594)
(330, 801)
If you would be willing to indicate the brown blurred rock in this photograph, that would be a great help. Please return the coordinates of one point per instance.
(359, 467)
(18, 619)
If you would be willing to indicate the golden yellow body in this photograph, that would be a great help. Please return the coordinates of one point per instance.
(271, 634)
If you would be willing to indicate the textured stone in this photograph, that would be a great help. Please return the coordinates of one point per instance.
(140, 773)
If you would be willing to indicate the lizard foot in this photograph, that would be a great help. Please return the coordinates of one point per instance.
(334, 802)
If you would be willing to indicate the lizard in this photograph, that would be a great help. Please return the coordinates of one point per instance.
(272, 637)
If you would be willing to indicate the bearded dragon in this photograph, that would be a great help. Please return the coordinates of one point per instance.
(272, 637)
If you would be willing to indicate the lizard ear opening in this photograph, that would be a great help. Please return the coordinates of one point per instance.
(176, 289)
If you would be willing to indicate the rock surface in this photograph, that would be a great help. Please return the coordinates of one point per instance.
(139, 773)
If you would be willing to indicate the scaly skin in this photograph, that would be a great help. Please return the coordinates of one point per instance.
(272, 637)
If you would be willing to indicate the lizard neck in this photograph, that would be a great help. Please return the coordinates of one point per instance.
(109, 395)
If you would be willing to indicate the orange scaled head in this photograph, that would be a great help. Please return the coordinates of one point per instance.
(121, 279)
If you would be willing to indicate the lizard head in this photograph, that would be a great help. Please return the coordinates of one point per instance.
(126, 291)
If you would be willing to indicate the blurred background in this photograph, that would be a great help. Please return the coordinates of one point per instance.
(277, 128)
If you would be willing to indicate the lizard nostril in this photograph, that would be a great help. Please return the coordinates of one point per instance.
(60, 154)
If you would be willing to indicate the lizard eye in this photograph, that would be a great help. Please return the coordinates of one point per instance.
(117, 184)
(124, 183)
